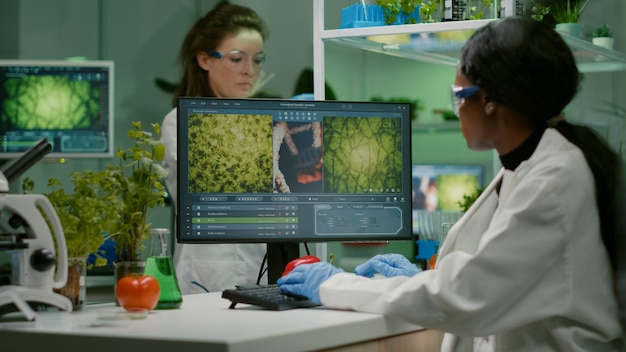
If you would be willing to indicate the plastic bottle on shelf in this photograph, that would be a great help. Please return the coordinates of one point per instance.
(454, 10)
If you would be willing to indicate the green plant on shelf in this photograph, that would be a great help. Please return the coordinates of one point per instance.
(428, 9)
(539, 11)
(568, 12)
(476, 8)
(393, 8)
(602, 31)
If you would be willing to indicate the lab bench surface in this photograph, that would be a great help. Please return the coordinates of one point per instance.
(204, 323)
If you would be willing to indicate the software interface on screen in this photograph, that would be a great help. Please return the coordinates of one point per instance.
(281, 170)
(70, 103)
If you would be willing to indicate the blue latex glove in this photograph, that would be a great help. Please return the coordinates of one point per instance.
(387, 264)
(304, 96)
(305, 280)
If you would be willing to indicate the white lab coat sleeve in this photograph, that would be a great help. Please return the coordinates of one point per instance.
(169, 140)
(519, 273)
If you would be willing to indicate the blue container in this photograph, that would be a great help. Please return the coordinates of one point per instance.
(424, 250)
(359, 15)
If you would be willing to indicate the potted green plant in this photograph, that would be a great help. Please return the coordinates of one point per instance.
(563, 14)
(539, 10)
(568, 11)
(139, 177)
(603, 36)
(87, 214)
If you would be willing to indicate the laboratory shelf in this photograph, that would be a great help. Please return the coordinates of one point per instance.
(436, 127)
(403, 29)
(593, 58)
(438, 43)
(441, 42)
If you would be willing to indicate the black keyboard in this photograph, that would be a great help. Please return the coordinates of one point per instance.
(266, 296)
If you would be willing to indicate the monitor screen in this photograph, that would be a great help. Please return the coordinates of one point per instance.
(278, 170)
(70, 103)
(442, 187)
(262, 170)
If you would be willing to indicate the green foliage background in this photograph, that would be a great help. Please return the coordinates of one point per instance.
(87, 214)
(46, 102)
(229, 156)
(361, 154)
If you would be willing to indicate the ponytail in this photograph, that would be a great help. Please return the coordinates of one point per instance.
(605, 164)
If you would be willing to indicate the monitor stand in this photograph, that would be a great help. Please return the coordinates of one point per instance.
(278, 255)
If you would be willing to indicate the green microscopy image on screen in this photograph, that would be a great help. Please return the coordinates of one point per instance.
(50, 103)
(362, 155)
(230, 153)
(452, 188)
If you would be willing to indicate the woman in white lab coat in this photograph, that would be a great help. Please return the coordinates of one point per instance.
(222, 56)
(529, 266)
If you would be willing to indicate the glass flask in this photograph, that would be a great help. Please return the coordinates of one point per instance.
(159, 264)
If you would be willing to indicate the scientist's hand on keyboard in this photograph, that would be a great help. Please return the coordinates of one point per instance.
(388, 265)
(305, 280)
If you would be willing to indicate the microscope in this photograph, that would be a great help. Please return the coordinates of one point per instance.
(37, 265)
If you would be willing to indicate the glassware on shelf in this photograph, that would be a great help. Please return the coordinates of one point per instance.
(432, 228)
(430, 225)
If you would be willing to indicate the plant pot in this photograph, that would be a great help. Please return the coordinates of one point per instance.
(75, 288)
(571, 29)
(605, 42)
(124, 268)
(369, 15)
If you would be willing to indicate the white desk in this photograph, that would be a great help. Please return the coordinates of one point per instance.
(204, 323)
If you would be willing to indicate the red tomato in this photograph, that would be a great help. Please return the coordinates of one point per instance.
(137, 291)
(307, 259)
(432, 261)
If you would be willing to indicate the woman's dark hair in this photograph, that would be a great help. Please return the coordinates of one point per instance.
(206, 35)
(525, 65)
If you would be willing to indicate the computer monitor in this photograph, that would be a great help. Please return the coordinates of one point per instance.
(69, 103)
(443, 186)
(286, 172)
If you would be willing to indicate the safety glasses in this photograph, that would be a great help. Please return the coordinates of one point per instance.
(459, 94)
(238, 61)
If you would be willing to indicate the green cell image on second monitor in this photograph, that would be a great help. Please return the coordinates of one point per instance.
(362, 155)
(231, 153)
